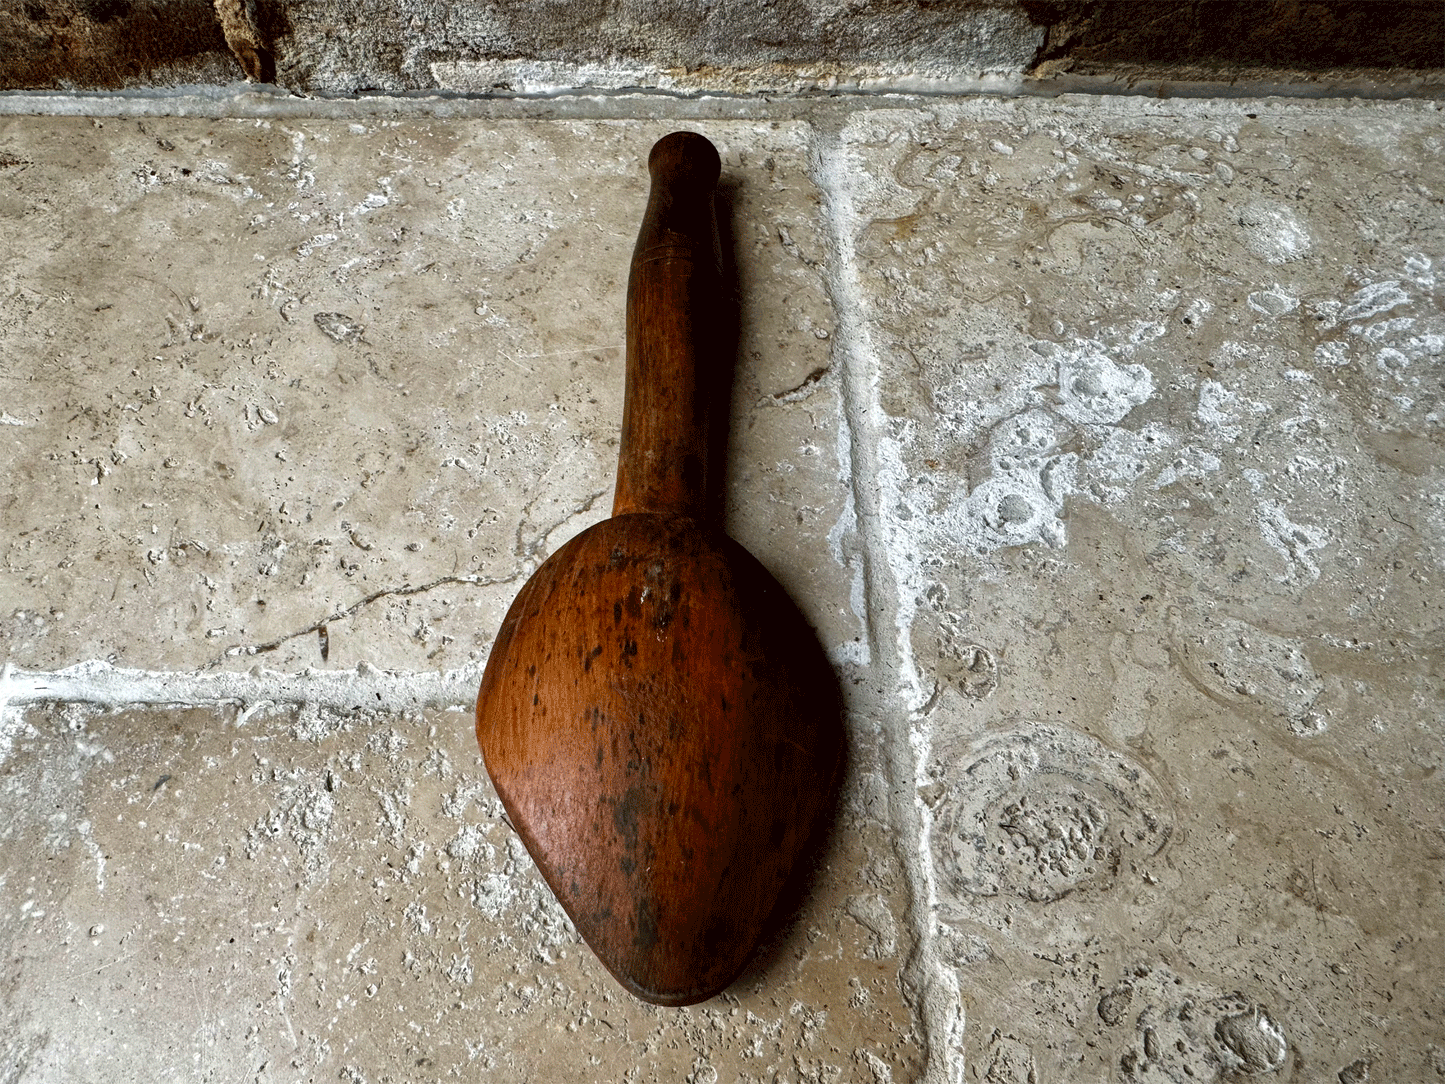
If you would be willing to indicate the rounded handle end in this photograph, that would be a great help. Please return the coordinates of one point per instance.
(685, 158)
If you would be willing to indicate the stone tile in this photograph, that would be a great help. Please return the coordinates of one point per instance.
(1159, 408)
(327, 391)
(308, 895)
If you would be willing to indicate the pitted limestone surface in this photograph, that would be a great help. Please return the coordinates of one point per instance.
(1100, 439)
(1037, 813)
(322, 895)
(1157, 403)
(325, 386)
(1182, 1031)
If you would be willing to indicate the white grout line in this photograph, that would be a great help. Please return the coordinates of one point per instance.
(364, 688)
(554, 92)
(887, 566)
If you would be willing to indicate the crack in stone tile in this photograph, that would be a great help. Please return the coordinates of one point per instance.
(316, 627)
(319, 627)
(529, 550)
(801, 390)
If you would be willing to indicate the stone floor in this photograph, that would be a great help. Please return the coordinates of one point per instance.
(1100, 440)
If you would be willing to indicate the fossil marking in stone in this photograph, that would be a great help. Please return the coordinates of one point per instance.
(1038, 812)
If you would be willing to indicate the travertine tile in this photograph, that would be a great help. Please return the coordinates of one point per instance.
(1158, 392)
(298, 895)
(321, 394)
(1145, 398)
(265, 378)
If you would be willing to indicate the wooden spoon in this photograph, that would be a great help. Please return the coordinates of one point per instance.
(657, 717)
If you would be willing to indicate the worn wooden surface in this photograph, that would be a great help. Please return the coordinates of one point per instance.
(658, 720)
(677, 358)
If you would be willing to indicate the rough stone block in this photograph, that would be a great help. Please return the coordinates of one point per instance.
(320, 393)
(1158, 409)
(302, 894)
(113, 44)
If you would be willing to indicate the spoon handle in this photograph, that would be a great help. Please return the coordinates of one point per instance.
(675, 339)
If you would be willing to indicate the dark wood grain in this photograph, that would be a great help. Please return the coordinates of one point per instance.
(674, 339)
(657, 717)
